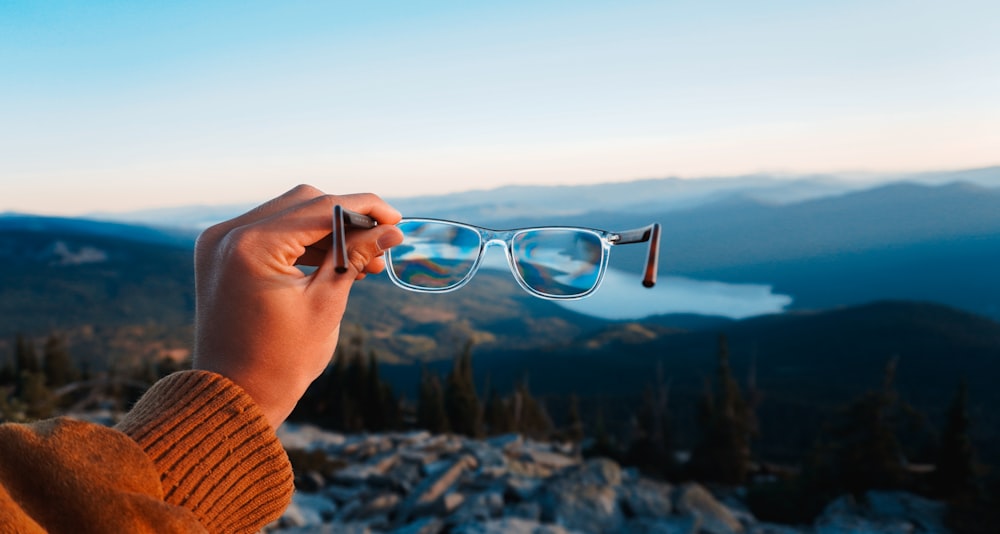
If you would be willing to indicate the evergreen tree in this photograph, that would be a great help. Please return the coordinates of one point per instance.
(955, 475)
(574, 424)
(530, 416)
(335, 391)
(58, 366)
(460, 400)
(7, 375)
(37, 398)
(379, 404)
(603, 444)
(651, 449)
(859, 450)
(497, 415)
(353, 394)
(430, 404)
(727, 426)
(25, 357)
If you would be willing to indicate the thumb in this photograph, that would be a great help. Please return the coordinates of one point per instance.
(365, 250)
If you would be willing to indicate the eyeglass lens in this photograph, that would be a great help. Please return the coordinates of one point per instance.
(559, 262)
(434, 255)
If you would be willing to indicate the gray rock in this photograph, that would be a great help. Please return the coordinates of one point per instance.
(645, 498)
(432, 487)
(552, 460)
(509, 525)
(450, 502)
(524, 510)
(694, 499)
(336, 527)
(518, 488)
(882, 511)
(585, 497)
(380, 504)
(307, 510)
(769, 528)
(343, 494)
(480, 507)
(308, 437)
(424, 525)
(504, 440)
(680, 524)
(597, 471)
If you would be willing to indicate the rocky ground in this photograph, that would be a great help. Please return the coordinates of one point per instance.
(419, 483)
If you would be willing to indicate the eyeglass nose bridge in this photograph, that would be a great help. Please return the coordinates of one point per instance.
(495, 238)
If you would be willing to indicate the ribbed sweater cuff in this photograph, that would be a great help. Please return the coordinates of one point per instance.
(215, 451)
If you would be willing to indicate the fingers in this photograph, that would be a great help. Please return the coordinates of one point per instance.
(366, 203)
(292, 197)
(364, 255)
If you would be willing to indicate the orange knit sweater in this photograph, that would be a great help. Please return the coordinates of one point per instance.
(194, 455)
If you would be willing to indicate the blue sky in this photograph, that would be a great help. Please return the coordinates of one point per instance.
(126, 105)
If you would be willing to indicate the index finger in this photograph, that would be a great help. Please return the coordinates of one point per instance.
(288, 233)
(370, 204)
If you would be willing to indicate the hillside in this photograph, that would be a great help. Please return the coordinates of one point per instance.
(805, 364)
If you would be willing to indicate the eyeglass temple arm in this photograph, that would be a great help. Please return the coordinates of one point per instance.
(650, 233)
(343, 218)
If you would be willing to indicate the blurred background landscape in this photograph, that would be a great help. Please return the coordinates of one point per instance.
(827, 317)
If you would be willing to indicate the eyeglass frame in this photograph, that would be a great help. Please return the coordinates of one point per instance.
(343, 218)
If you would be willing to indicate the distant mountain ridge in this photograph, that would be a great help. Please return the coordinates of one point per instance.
(902, 240)
(81, 227)
(653, 195)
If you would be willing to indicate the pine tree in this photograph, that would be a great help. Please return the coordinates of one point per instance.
(430, 404)
(7, 375)
(25, 357)
(651, 449)
(379, 399)
(354, 393)
(530, 416)
(574, 424)
(497, 415)
(603, 444)
(460, 400)
(955, 475)
(37, 398)
(727, 426)
(859, 450)
(58, 366)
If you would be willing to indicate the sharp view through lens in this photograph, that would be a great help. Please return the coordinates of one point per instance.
(808, 300)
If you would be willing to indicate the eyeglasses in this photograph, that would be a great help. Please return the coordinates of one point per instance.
(551, 262)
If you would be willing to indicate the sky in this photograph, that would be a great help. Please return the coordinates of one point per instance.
(119, 106)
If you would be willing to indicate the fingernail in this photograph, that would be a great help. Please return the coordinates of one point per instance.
(389, 240)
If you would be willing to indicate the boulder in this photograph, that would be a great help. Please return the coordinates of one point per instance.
(585, 497)
(645, 498)
(681, 524)
(882, 511)
(715, 518)
(510, 525)
(307, 510)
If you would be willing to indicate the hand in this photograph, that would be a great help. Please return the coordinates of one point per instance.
(262, 322)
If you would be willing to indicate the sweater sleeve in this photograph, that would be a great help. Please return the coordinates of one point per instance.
(214, 450)
(195, 454)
